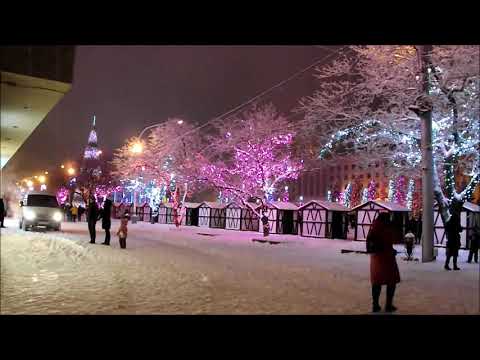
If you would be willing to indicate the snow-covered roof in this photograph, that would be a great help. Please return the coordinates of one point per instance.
(191, 205)
(235, 205)
(239, 205)
(390, 206)
(467, 206)
(471, 206)
(213, 205)
(328, 205)
(283, 205)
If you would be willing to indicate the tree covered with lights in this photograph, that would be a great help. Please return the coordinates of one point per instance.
(367, 110)
(167, 160)
(372, 190)
(401, 191)
(251, 157)
(357, 193)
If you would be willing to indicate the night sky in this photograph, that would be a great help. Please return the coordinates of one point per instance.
(130, 87)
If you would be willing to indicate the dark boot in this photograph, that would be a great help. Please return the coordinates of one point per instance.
(455, 267)
(107, 237)
(390, 293)
(447, 262)
(376, 290)
(470, 256)
(123, 243)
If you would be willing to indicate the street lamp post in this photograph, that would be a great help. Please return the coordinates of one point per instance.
(424, 111)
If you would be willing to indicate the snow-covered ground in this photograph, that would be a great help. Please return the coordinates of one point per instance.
(178, 271)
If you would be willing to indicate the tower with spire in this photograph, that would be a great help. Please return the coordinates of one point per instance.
(91, 155)
(91, 150)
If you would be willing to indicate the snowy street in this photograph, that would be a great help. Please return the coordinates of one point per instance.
(165, 270)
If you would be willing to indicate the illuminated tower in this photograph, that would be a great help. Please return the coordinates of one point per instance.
(91, 155)
(91, 150)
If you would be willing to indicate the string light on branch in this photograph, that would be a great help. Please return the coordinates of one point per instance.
(411, 189)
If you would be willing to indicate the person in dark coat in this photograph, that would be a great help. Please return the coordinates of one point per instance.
(106, 220)
(474, 243)
(452, 231)
(3, 212)
(383, 265)
(266, 225)
(81, 210)
(93, 215)
(68, 208)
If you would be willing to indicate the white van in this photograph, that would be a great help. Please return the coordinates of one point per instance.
(40, 209)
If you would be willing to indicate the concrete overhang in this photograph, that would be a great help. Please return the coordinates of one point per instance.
(25, 102)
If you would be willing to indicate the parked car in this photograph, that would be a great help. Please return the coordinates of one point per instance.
(40, 209)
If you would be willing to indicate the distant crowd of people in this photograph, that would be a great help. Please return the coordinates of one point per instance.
(72, 213)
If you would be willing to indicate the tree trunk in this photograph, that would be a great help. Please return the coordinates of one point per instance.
(424, 111)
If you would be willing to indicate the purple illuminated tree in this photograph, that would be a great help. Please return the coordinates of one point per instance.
(400, 196)
(251, 156)
(372, 190)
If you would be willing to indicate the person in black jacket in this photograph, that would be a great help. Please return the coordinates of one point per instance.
(106, 220)
(474, 243)
(452, 231)
(81, 210)
(93, 215)
(3, 212)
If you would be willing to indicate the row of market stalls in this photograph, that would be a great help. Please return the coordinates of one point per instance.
(317, 218)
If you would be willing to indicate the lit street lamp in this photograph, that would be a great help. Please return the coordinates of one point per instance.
(71, 171)
(137, 148)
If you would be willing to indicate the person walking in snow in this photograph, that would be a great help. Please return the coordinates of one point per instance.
(383, 265)
(81, 210)
(106, 220)
(93, 215)
(452, 231)
(409, 244)
(123, 231)
(266, 225)
(474, 243)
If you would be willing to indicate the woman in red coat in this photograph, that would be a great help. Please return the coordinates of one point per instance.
(383, 266)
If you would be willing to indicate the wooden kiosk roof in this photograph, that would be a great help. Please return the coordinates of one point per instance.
(390, 206)
(327, 205)
(213, 205)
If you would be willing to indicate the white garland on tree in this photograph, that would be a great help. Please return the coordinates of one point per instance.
(411, 189)
(364, 195)
(391, 190)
